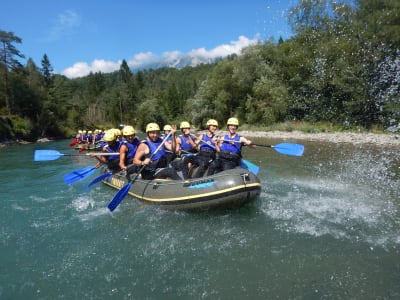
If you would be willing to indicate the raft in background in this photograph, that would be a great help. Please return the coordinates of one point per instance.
(86, 147)
(228, 189)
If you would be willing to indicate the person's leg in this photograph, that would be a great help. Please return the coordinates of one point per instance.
(167, 173)
(215, 166)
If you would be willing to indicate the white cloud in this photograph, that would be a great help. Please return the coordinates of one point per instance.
(223, 50)
(197, 56)
(81, 69)
(140, 59)
(65, 24)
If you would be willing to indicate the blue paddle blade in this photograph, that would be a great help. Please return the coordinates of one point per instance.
(79, 174)
(289, 149)
(249, 166)
(42, 155)
(119, 197)
(100, 178)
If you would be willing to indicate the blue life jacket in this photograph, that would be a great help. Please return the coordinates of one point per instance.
(235, 146)
(132, 147)
(112, 149)
(153, 147)
(207, 144)
(186, 145)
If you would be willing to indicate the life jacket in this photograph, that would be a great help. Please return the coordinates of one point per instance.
(132, 147)
(207, 144)
(153, 147)
(112, 149)
(234, 147)
(186, 145)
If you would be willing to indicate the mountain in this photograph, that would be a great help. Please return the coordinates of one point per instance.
(178, 62)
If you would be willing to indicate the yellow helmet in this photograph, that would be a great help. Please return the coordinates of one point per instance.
(109, 136)
(184, 124)
(117, 132)
(212, 122)
(152, 127)
(167, 127)
(233, 121)
(128, 130)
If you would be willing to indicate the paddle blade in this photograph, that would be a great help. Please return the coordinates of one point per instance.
(119, 197)
(79, 174)
(73, 143)
(249, 166)
(43, 155)
(99, 178)
(289, 149)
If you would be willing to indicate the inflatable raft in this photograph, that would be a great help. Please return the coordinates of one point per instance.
(228, 189)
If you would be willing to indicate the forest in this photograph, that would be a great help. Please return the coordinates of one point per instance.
(341, 66)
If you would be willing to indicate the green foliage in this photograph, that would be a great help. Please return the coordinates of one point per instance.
(22, 127)
(340, 71)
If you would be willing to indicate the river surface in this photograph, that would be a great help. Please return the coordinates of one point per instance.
(326, 226)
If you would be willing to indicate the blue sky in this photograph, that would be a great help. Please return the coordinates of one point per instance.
(87, 35)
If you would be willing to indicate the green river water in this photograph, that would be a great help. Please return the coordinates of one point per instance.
(326, 226)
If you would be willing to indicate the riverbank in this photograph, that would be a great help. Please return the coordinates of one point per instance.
(334, 137)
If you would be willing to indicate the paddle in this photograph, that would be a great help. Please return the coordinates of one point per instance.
(99, 178)
(283, 148)
(245, 164)
(74, 142)
(79, 174)
(120, 195)
(286, 148)
(44, 155)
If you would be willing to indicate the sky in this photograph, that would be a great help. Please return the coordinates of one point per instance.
(86, 36)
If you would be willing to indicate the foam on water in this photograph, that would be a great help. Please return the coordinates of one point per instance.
(358, 200)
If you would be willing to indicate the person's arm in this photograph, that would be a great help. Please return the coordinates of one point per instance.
(246, 142)
(192, 141)
(217, 141)
(178, 142)
(122, 155)
(173, 134)
(141, 152)
(198, 141)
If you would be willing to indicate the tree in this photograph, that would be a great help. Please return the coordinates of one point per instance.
(8, 61)
(46, 71)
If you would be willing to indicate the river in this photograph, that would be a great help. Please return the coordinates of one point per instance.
(326, 226)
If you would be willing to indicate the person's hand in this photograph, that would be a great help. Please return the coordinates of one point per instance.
(146, 161)
(173, 131)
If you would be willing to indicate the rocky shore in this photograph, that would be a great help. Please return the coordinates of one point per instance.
(335, 137)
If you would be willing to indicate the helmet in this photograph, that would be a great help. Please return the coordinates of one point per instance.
(167, 127)
(128, 130)
(90, 132)
(184, 124)
(152, 127)
(109, 136)
(212, 122)
(116, 131)
(233, 121)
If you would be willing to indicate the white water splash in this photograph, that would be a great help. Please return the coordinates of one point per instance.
(359, 200)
